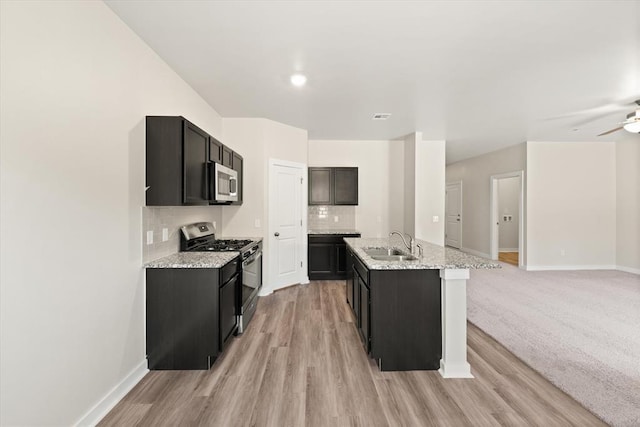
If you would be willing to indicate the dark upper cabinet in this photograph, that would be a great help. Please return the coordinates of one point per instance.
(320, 186)
(333, 186)
(176, 156)
(227, 157)
(195, 185)
(215, 150)
(345, 186)
(178, 162)
(237, 163)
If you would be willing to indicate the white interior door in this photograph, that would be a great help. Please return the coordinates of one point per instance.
(286, 225)
(453, 213)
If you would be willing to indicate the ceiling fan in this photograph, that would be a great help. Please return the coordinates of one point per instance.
(632, 124)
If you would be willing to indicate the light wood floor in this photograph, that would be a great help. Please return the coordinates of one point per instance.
(300, 363)
(508, 257)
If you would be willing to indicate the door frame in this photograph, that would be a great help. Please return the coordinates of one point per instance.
(303, 277)
(494, 245)
(447, 185)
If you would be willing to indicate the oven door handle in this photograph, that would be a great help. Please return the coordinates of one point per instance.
(255, 257)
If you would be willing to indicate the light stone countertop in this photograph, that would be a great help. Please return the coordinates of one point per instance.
(193, 260)
(316, 231)
(434, 257)
(198, 259)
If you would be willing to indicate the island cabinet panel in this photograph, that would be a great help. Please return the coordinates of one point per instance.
(406, 322)
(349, 279)
(327, 256)
(397, 315)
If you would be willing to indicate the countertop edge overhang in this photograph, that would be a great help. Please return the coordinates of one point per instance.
(198, 259)
(434, 257)
(316, 232)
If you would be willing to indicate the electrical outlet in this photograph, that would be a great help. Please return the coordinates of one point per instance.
(256, 223)
(165, 234)
(150, 237)
(562, 252)
(436, 218)
(335, 218)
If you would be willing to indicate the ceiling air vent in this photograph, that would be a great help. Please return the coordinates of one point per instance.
(381, 116)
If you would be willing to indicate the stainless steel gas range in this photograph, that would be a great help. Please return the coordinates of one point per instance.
(200, 237)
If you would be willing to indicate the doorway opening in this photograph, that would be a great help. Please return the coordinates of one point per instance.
(507, 217)
(453, 215)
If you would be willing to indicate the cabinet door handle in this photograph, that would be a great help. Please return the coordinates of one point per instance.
(276, 234)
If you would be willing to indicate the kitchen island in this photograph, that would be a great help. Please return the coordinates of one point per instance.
(410, 309)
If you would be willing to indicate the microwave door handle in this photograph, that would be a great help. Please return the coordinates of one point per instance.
(233, 186)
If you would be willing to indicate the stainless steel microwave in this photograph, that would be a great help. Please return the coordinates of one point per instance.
(224, 184)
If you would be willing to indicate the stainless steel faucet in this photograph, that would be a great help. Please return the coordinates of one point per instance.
(410, 245)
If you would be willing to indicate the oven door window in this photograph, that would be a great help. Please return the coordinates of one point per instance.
(251, 278)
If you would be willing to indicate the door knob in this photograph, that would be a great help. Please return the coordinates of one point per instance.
(276, 234)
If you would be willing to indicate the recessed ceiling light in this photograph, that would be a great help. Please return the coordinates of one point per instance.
(381, 116)
(298, 80)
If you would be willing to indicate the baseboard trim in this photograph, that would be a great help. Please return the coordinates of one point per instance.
(508, 250)
(476, 253)
(569, 267)
(111, 399)
(628, 269)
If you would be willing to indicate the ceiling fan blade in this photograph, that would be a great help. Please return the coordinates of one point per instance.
(611, 131)
(606, 108)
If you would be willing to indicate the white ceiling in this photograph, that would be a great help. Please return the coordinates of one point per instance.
(481, 75)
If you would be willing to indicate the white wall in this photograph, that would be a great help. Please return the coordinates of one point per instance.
(259, 140)
(628, 202)
(76, 84)
(475, 175)
(571, 205)
(375, 209)
(508, 204)
(409, 188)
(430, 190)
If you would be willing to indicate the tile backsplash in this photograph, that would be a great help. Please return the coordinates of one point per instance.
(172, 218)
(324, 217)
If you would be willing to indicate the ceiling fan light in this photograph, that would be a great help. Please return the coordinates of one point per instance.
(633, 127)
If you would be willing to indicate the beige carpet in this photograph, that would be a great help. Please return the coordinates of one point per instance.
(580, 329)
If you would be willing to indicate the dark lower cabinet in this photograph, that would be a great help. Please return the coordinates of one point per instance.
(190, 316)
(327, 256)
(398, 315)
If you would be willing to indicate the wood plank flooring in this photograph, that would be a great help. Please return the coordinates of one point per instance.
(508, 257)
(300, 363)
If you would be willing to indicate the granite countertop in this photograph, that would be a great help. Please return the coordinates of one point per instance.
(198, 259)
(434, 257)
(193, 260)
(332, 231)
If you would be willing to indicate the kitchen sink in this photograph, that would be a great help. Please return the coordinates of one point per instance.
(394, 257)
(388, 254)
(382, 252)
